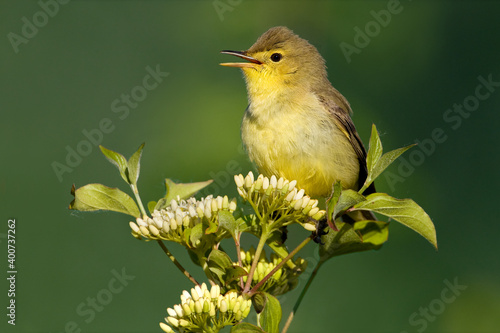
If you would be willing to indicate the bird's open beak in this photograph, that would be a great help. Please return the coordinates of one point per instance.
(242, 54)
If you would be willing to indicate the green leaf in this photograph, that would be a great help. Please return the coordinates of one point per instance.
(229, 223)
(363, 236)
(196, 233)
(373, 232)
(94, 197)
(246, 328)
(259, 301)
(376, 162)
(220, 264)
(117, 160)
(347, 199)
(331, 203)
(270, 317)
(219, 258)
(194, 257)
(375, 149)
(184, 191)
(161, 204)
(405, 211)
(151, 206)
(337, 190)
(212, 226)
(134, 166)
(234, 272)
(276, 244)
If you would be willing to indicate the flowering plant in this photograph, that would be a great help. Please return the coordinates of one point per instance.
(252, 279)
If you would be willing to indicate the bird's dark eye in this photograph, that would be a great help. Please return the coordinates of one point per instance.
(276, 57)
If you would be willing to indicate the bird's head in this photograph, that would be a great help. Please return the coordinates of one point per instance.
(280, 62)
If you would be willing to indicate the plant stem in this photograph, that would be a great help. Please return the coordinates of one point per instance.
(138, 198)
(301, 296)
(238, 254)
(206, 269)
(176, 263)
(256, 258)
(283, 262)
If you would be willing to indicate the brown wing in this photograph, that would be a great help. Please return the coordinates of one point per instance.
(340, 111)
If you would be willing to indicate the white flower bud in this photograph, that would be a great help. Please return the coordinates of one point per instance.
(173, 204)
(173, 321)
(299, 195)
(246, 312)
(259, 182)
(239, 180)
(310, 226)
(236, 306)
(186, 295)
(186, 221)
(292, 185)
(171, 312)
(178, 310)
(212, 311)
(274, 181)
(173, 224)
(243, 305)
(232, 205)
(241, 192)
(134, 227)
(166, 328)
(298, 204)
(141, 222)
(281, 181)
(192, 211)
(199, 211)
(186, 309)
(265, 183)
(206, 306)
(194, 294)
(248, 181)
(184, 323)
(198, 307)
(153, 230)
(214, 292)
(223, 306)
(313, 211)
(319, 215)
(144, 230)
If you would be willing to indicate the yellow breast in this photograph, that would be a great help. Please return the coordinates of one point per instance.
(297, 139)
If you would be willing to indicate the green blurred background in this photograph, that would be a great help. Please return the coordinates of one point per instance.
(63, 80)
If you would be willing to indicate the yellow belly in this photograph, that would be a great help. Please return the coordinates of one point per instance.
(300, 143)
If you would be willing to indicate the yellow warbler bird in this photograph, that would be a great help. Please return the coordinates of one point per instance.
(297, 125)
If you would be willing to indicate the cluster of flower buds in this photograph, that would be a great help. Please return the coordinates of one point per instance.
(282, 281)
(279, 198)
(205, 310)
(172, 222)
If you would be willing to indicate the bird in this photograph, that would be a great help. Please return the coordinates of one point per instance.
(297, 125)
